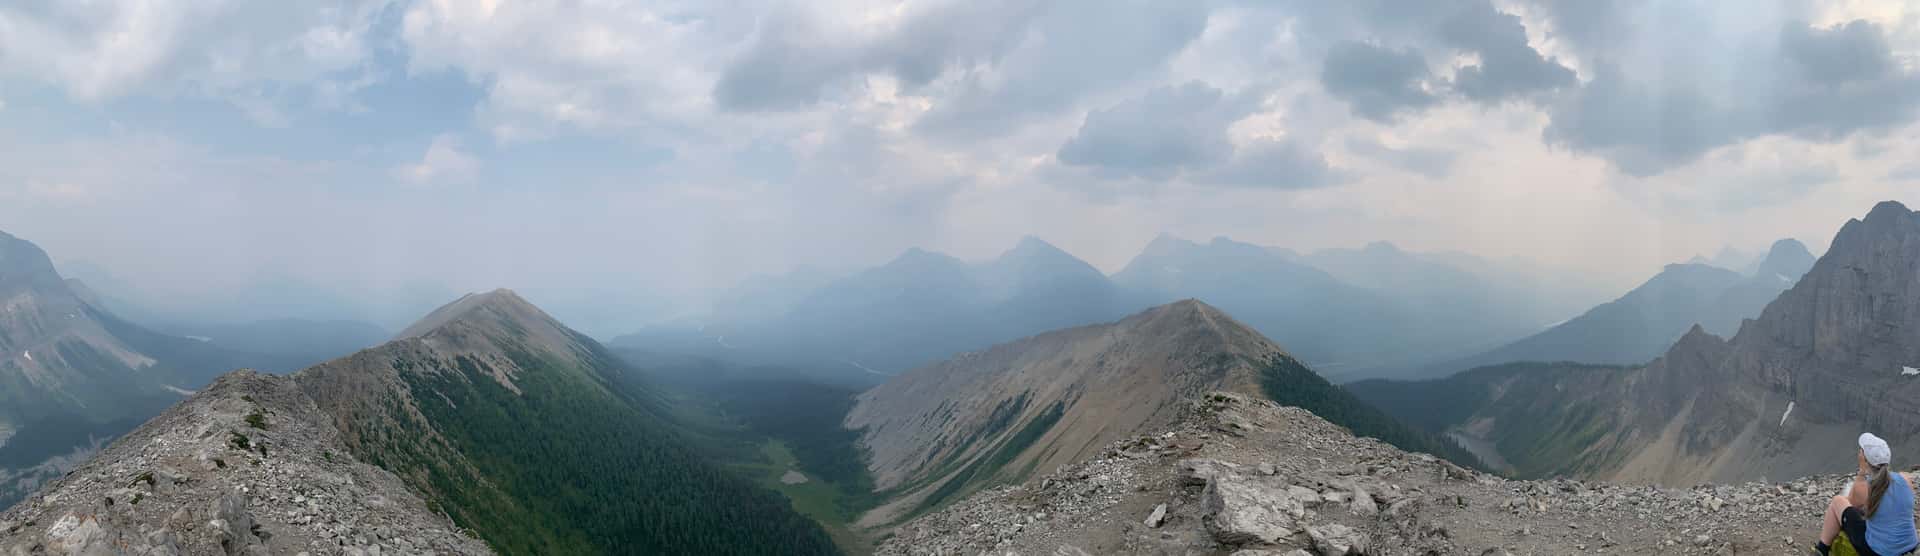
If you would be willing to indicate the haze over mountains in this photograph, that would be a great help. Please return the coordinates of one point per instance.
(1825, 360)
(1646, 321)
(1353, 313)
(534, 438)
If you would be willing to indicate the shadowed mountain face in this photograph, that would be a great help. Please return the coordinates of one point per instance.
(1022, 408)
(1642, 324)
(1786, 396)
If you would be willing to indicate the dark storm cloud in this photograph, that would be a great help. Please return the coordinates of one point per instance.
(1182, 131)
(1006, 59)
(1508, 66)
(1379, 83)
(1822, 84)
(1842, 79)
(1157, 134)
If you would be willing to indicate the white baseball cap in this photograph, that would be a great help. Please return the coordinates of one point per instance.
(1875, 449)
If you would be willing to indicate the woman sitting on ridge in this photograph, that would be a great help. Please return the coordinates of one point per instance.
(1875, 511)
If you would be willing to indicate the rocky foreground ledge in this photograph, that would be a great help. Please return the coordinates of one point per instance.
(248, 466)
(1245, 477)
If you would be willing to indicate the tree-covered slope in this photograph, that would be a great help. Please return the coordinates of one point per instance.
(542, 442)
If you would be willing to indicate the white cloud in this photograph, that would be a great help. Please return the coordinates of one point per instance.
(102, 50)
(849, 129)
(554, 65)
(442, 163)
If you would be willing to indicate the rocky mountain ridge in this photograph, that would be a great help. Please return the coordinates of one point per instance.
(487, 414)
(1044, 401)
(1005, 413)
(1247, 477)
(73, 375)
(247, 466)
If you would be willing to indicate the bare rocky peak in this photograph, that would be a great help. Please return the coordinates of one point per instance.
(24, 266)
(1034, 404)
(1788, 258)
(482, 321)
(1242, 476)
(249, 465)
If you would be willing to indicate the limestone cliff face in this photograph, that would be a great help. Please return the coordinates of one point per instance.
(1834, 346)
(1007, 412)
(1784, 397)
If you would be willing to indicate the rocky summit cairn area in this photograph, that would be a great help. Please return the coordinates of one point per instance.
(248, 466)
(1245, 477)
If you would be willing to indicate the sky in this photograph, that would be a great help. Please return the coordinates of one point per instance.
(634, 155)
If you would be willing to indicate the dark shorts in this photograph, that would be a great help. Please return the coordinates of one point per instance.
(1853, 524)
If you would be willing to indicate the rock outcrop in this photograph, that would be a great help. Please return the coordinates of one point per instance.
(248, 466)
(1243, 476)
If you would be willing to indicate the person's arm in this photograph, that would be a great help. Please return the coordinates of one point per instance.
(1857, 496)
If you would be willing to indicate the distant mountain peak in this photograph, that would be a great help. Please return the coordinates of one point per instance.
(1031, 247)
(915, 257)
(24, 265)
(1887, 209)
(1031, 242)
(1787, 258)
(1166, 244)
(490, 309)
(1034, 258)
(1381, 247)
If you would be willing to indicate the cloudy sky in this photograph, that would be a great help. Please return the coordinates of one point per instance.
(663, 148)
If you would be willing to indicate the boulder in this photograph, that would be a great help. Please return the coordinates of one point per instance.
(232, 524)
(1337, 540)
(1158, 516)
(79, 534)
(1239, 511)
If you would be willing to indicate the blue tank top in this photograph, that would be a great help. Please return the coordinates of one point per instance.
(1890, 530)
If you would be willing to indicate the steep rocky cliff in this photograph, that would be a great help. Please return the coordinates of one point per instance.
(1785, 396)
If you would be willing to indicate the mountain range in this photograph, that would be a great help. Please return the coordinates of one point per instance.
(1784, 396)
(522, 432)
(1350, 312)
(1642, 324)
(917, 308)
